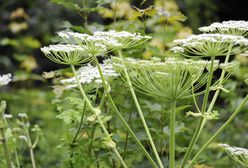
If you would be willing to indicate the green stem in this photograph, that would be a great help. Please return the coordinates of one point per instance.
(92, 135)
(120, 117)
(75, 139)
(204, 104)
(5, 148)
(172, 133)
(141, 113)
(31, 152)
(220, 130)
(217, 92)
(127, 134)
(17, 159)
(30, 146)
(97, 117)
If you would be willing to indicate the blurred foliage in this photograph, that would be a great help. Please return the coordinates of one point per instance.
(28, 25)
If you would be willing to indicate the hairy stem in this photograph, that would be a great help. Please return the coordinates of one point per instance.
(141, 114)
(172, 133)
(220, 130)
(120, 117)
(97, 117)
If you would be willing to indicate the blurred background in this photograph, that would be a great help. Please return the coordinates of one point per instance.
(27, 25)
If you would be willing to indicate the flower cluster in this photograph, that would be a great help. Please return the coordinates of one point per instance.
(126, 39)
(5, 79)
(206, 45)
(172, 78)
(66, 54)
(240, 155)
(227, 27)
(81, 48)
(88, 74)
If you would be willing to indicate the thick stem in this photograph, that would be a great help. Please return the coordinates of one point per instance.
(120, 117)
(5, 148)
(141, 113)
(172, 133)
(204, 104)
(220, 130)
(91, 108)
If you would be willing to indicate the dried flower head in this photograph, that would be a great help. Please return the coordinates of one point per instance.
(207, 45)
(233, 27)
(66, 54)
(170, 79)
(5, 79)
(90, 74)
(240, 155)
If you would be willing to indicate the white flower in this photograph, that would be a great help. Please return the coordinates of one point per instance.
(207, 45)
(5, 79)
(88, 74)
(22, 115)
(240, 155)
(172, 78)
(8, 116)
(95, 44)
(234, 27)
(124, 38)
(177, 49)
(66, 54)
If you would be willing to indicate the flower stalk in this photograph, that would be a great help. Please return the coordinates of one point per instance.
(140, 113)
(172, 133)
(98, 118)
(220, 130)
(125, 124)
(198, 128)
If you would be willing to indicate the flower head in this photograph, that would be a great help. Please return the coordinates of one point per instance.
(66, 54)
(207, 45)
(170, 79)
(90, 74)
(5, 79)
(232, 27)
(240, 155)
(94, 44)
(126, 39)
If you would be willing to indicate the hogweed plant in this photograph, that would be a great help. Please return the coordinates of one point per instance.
(168, 80)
